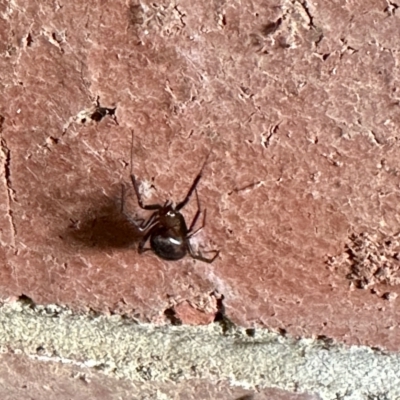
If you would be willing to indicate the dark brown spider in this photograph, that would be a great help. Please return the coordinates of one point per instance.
(166, 228)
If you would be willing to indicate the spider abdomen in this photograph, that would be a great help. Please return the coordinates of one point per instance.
(167, 245)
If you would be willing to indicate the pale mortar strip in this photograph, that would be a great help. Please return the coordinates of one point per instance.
(119, 347)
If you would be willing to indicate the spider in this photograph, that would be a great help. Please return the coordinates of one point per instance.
(166, 227)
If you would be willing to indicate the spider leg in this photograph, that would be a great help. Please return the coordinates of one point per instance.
(139, 223)
(144, 225)
(139, 197)
(193, 187)
(200, 257)
(190, 192)
(198, 212)
(141, 248)
(203, 224)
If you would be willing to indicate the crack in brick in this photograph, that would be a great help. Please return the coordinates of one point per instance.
(305, 7)
(220, 317)
(375, 138)
(95, 113)
(7, 180)
(170, 314)
(391, 8)
(250, 186)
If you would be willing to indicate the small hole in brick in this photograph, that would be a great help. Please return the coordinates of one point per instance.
(101, 112)
(29, 40)
(170, 314)
(250, 332)
(40, 349)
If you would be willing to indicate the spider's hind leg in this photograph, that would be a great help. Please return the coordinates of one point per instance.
(200, 257)
(196, 217)
(142, 243)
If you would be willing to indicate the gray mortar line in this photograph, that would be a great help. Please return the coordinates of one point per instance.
(145, 352)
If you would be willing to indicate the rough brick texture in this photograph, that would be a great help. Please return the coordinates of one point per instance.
(297, 101)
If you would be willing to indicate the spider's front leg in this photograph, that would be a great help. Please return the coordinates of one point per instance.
(139, 223)
(139, 197)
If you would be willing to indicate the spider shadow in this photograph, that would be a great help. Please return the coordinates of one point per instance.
(104, 227)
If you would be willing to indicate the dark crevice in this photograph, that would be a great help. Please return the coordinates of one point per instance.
(250, 332)
(182, 15)
(7, 176)
(27, 301)
(223, 20)
(376, 138)
(380, 351)
(391, 8)
(29, 40)
(40, 350)
(54, 140)
(266, 142)
(56, 38)
(304, 4)
(220, 317)
(7, 163)
(24, 299)
(326, 341)
(282, 331)
(305, 8)
(89, 311)
(271, 27)
(170, 314)
(102, 112)
(347, 49)
(100, 367)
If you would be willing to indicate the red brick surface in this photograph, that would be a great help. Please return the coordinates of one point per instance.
(298, 103)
